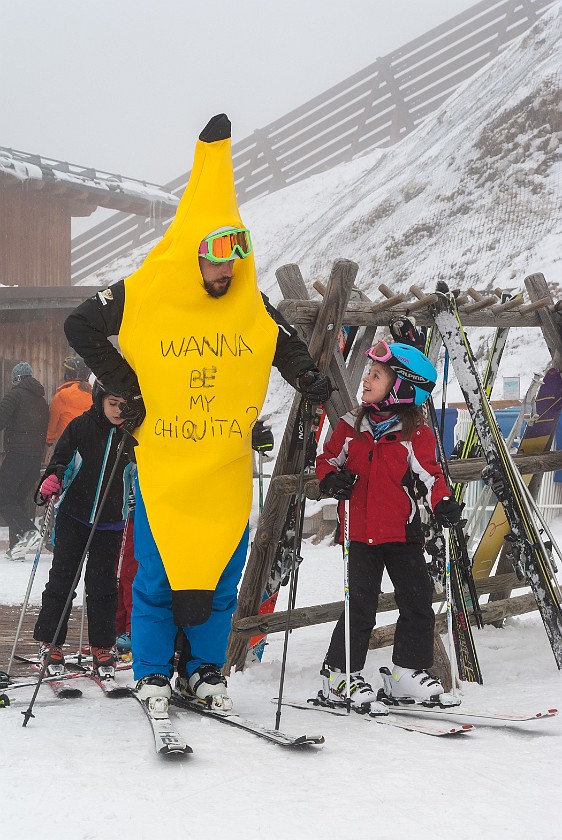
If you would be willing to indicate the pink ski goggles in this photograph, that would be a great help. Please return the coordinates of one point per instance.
(380, 352)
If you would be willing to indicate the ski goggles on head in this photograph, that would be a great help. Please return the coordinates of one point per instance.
(381, 352)
(226, 245)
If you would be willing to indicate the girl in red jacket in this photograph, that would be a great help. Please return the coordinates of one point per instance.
(379, 457)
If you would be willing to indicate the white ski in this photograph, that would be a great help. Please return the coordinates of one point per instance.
(456, 712)
(274, 736)
(387, 720)
(167, 741)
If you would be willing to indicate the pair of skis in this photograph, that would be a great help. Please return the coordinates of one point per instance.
(529, 555)
(401, 714)
(63, 684)
(169, 743)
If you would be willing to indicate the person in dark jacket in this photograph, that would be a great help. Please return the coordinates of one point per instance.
(373, 464)
(198, 341)
(24, 415)
(78, 474)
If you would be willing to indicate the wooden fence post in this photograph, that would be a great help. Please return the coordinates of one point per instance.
(322, 342)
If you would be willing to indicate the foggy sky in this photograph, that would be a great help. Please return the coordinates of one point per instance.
(125, 86)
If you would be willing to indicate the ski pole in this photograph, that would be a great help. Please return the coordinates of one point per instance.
(307, 425)
(29, 711)
(463, 560)
(444, 394)
(449, 597)
(260, 478)
(122, 550)
(297, 552)
(44, 529)
(347, 629)
(82, 617)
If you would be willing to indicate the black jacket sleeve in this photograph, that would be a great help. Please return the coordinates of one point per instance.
(88, 329)
(291, 354)
(8, 407)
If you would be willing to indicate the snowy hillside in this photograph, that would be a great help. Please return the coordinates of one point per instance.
(473, 197)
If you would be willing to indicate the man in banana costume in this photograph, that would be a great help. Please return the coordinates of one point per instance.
(197, 340)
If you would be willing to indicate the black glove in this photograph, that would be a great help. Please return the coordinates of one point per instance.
(447, 512)
(314, 386)
(262, 437)
(338, 485)
(134, 411)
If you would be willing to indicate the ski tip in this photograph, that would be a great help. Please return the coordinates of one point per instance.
(547, 713)
(466, 727)
(69, 693)
(308, 740)
(176, 753)
(120, 691)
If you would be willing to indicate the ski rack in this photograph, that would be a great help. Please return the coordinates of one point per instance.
(318, 322)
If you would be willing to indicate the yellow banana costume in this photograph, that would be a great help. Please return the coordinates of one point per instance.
(203, 366)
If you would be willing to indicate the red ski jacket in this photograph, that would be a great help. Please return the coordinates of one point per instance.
(383, 505)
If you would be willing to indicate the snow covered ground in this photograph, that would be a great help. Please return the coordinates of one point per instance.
(86, 768)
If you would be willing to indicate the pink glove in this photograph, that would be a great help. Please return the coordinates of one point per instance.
(51, 486)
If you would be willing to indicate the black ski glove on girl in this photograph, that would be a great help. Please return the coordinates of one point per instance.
(338, 485)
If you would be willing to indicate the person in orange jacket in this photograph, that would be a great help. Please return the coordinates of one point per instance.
(71, 399)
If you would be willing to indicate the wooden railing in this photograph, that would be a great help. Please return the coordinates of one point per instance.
(375, 107)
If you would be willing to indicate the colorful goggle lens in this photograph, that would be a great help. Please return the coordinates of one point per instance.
(381, 352)
(222, 247)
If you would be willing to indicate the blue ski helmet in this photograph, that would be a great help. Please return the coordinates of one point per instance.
(415, 375)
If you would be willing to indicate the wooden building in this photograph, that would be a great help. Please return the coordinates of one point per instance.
(38, 199)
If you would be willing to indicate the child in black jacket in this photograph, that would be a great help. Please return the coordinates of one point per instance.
(79, 471)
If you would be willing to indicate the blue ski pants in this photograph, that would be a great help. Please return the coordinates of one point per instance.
(153, 631)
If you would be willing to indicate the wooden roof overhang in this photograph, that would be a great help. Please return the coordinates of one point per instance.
(85, 188)
(31, 303)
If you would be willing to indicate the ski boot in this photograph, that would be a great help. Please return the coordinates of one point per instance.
(155, 691)
(56, 665)
(104, 662)
(362, 696)
(26, 544)
(406, 686)
(207, 685)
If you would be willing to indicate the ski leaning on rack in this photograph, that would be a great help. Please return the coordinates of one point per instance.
(386, 720)
(281, 567)
(536, 439)
(404, 329)
(529, 555)
(167, 741)
(274, 736)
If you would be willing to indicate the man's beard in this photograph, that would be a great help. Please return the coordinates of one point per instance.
(215, 291)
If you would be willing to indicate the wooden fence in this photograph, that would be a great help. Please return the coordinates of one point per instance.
(375, 107)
